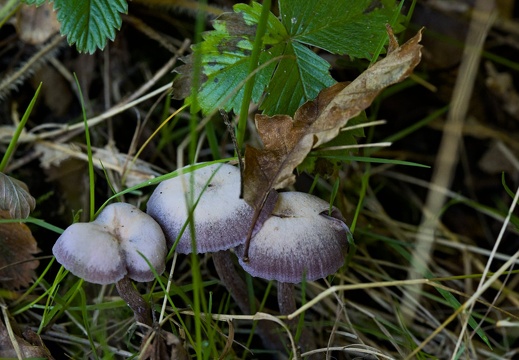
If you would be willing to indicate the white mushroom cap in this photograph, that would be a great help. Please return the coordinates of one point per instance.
(221, 218)
(107, 249)
(299, 240)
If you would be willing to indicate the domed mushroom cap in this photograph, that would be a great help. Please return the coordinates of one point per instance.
(107, 249)
(299, 240)
(221, 218)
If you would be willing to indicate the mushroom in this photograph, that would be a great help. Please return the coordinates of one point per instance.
(221, 218)
(115, 248)
(221, 221)
(303, 239)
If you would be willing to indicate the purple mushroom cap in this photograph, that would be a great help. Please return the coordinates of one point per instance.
(221, 218)
(299, 240)
(110, 247)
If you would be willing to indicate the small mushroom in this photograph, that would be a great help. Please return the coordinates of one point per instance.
(113, 249)
(302, 239)
(221, 218)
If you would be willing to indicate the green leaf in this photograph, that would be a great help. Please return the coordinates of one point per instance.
(354, 29)
(299, 77)
(89, 23)
(289, 71)
(225, 54)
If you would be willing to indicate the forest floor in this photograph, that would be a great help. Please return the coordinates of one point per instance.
(433, 274)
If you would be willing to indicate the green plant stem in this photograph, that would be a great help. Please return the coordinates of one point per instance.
(213, 140)
(197, 280)
(89, 153)
(249, 85)
(19, 129)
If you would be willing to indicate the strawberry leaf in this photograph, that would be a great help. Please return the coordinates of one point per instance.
(34, 2)
(355, 29)
(225, 54)
(88, 23)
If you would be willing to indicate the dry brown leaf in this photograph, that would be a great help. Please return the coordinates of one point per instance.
(30, 346)
(164, 345)
(15, 197)
(287, 141)
(35, 25)
(16, 248)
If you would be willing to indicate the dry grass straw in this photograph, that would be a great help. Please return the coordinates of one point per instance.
(447, 158)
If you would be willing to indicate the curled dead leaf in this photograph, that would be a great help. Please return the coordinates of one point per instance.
(29, 346)
(15, 197)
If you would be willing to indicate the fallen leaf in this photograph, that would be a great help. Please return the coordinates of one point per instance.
(16, 248)
(164, 345)
(30, 346)
(15, 197)
(287, 141)
(35, 25)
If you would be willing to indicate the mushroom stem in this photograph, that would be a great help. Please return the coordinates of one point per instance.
(286, 298)
(287, 305)
(141, 309)
(238, 289)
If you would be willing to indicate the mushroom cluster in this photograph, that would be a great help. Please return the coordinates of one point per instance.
(301, 238)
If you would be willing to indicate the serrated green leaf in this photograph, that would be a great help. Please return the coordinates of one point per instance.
(225, 54)
(299, 77)
(225, 74)
(89, 23)
(354, 29)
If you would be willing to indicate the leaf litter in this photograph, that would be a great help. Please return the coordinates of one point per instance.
(17, 246)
